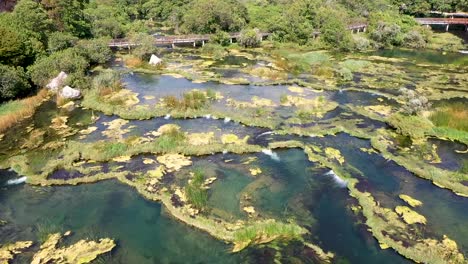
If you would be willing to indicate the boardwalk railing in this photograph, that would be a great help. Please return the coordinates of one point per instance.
(176, 39)
(442, 21)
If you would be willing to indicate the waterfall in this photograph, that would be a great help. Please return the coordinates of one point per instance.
(16, 181)
(340, 182)
(270, 153)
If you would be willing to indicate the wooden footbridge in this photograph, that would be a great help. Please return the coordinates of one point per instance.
(173, 40)
(443, 21)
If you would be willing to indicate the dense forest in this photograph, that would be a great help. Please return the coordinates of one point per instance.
(41, 38)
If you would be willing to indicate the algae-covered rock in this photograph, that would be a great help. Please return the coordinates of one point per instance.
(410, 200)
(334, 154)
(198, 139)
(157, 173)
(8, 252)
(255, 171)
(174, 162)
(83, 251)
(233, 139)
(410, 216)
(123, 97)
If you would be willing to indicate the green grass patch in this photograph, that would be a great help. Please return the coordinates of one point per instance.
(452, 116)
(196, 194)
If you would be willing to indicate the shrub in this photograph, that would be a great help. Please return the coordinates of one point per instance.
(145, 45)
(361, 43)
(95, 51)
(414, 39)
(46, 68)
(250, 38)
(13, 82)
(59, 41)
(214, 50)
(413, 103)
(387, 34)
(109, 80)
(221, 38)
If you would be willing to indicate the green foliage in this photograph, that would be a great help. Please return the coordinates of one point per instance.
(69, 16)
(107, 80)
(250, 38)
(355, 65)
(146, 45)
(19, 46)
(112, 149)
(210, 16)
(46, 68)
(95, 51)
(170, 139)
(60, 41)
(13, 82)
(334, 31)
(214, 50)
(30, 16)
(221, 38)
(196, 194)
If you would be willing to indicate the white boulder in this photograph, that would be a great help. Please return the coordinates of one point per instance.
(70, 93)
(57, 82)
(154, 60)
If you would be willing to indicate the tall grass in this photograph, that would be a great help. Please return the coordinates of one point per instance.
(196, 194)
(170, 140)
(191, 100)
(453, 116)
(14, 111)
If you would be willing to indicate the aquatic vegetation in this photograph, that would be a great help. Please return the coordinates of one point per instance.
(453, 116)
(267, 73)
(198, 139)
(8, 251)
(194, 191)
(335, 154)
(82, 251)
(410, 200)
(265, 232)
(14, 111)
(191, 100)
(410, 216)
(355, 65)
(233, 139)
(174, 162)
(255, 171)
(445, 42)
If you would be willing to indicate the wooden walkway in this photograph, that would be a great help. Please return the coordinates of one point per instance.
(172, 40)
(443, 21)
(194, 39)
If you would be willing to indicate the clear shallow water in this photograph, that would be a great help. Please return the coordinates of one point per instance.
(144, 232)
(289, 188)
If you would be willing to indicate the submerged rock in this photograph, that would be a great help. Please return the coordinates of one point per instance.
(57, 82)
(83, 251)
(8, 252)
(410, 216)
(70, 93)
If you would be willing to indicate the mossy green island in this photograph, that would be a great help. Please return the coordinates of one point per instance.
(258, 151)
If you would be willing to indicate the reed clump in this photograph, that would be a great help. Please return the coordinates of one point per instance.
(14, 111)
